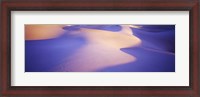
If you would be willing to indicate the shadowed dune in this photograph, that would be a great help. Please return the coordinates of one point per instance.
(163, 39)
(147, 61)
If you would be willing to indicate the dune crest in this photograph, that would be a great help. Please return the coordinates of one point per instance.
(121, 39)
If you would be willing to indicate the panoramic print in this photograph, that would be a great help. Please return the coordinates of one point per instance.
(99, 48)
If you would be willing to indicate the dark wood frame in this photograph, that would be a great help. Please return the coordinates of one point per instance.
(109, 5)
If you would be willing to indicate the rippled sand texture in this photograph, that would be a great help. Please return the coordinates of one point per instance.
(102, 48)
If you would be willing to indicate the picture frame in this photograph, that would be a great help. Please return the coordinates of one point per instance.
(193, 90)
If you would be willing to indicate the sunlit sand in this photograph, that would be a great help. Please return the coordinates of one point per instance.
(41, 31)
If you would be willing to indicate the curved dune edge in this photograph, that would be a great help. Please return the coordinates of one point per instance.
(94, 57)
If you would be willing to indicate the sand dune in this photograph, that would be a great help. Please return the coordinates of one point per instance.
(102, 50)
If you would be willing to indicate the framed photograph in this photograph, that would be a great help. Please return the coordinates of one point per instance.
(138, 48)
